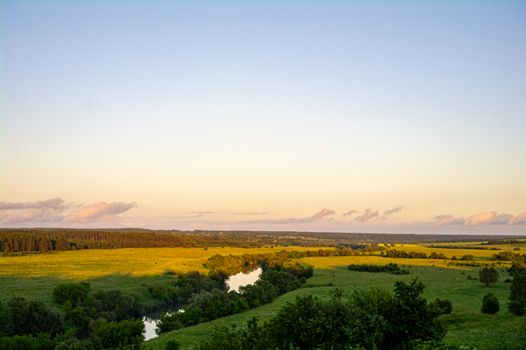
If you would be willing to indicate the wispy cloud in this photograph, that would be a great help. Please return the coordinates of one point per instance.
(350, 212)
(322, 215)
(393, 210)
(200, 212)
(99, 211)
(481, 219)
(447, 219)
(519, 219)
(53, 203)
(367, 216)
(55, 210)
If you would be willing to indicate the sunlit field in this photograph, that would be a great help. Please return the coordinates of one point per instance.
(82, 264)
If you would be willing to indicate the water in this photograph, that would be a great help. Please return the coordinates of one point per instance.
(233, 282)
(149, 328)
(243, 279)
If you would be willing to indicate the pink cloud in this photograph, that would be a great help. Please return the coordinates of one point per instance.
(367, 216)
(322, 214)
(350, 212)
(481, 219)
(53, 203)
(519, 219)
(393, 210)
(448, 219)
(489, 218)
(99, 211)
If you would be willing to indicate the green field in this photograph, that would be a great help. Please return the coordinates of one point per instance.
(467, 326)
(131, 270)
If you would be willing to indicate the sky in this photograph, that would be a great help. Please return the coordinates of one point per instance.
(349, 116)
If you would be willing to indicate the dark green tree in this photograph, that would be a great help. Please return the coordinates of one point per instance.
(517, 299)
(490, 304)
(74, 293)
(127, 334)
(31, 317)
(488, 276)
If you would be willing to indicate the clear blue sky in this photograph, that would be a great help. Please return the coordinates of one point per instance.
(263, 113)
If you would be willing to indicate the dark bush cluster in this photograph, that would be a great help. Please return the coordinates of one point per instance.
(394, 253)
(389, 268)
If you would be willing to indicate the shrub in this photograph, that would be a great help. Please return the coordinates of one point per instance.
(31, 317)
(74, 293)
(441, 306)
(124, 334)
(517, 304)
(490, 304)
(488, 276)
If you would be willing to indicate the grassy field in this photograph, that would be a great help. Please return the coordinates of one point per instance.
(467, 325)
(34, 276)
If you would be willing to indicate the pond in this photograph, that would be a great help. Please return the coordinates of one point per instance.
(233, 282)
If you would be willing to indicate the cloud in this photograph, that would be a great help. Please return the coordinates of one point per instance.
(350, 212)
(99, 211)
(488, 218)
(200, 212)
(393, 210)
(481, 219)
(53, 203)
(519, 219)
(322, 214)
(367, 215)
(55, 210)
(448, 219)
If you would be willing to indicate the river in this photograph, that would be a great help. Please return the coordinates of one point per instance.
(233, 282)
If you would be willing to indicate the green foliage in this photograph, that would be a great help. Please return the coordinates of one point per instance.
(369, 320)
(115, 305)
(27, 342)
(490, 304)
(31, 317)
(73, 293)
(389, 268)
(76, 344)
(441, 306)
(488, 276)
(517, 298)
(125, 334)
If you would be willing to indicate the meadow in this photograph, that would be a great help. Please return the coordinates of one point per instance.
(467, 326)
(34, 275)
(130, 269)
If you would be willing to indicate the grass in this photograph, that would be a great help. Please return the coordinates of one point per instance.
(467, 325)
(34, 276)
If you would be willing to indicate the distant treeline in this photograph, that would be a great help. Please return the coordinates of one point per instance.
(393, 253)
(391, 268)
(231, 264)
(45, 240)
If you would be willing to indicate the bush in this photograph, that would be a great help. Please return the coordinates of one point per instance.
(441, 306)
(517, 304)
(31, 317)
(490, 304)
(488, 276)
(74, 293)
(27, 342)
(124, 334)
